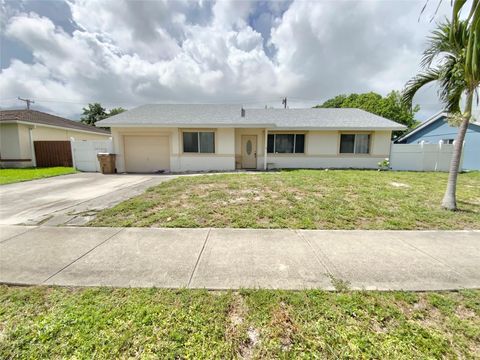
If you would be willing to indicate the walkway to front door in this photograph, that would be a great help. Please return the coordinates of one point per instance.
(249, 151)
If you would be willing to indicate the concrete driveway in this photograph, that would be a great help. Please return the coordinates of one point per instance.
(69, 199)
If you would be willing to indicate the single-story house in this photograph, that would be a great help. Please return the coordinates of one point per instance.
(34, 138)
(437, 129)
(196, 137)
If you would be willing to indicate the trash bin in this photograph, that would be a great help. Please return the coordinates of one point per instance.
(107, 163)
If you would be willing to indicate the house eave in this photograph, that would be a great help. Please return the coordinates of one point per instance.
(429, 121)
(341, 128)
(260, 126)
(28, 123)
(188, 125)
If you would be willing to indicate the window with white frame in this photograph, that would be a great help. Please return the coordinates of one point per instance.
(448, 141)
(354, 143)
(198, 142)
(286, 144)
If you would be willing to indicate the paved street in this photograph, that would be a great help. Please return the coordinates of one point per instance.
(69, 199)
(239, 258)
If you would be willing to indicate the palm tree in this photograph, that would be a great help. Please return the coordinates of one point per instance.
(452, 59)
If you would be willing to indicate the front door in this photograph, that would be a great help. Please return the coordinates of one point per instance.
(249, 151)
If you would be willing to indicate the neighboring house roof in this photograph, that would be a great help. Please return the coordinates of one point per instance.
(438, 116)
(40, 118)
(203, 115)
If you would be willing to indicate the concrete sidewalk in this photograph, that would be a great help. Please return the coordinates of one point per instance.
(240, 258)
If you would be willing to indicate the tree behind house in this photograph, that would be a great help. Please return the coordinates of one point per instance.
(115, 111)
(390, 106)
(96, 112)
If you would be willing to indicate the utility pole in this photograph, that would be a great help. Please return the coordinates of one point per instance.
(284, 102)
(28, 101)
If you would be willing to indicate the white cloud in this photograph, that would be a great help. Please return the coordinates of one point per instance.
(129, 53)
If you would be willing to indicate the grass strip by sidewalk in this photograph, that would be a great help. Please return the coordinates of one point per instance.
(50, 322)
(303, 199)
(8, 176)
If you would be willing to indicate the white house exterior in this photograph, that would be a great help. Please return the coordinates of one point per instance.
(21, 129)
(181, 138)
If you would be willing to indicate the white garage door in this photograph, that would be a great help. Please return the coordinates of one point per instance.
(146, 154)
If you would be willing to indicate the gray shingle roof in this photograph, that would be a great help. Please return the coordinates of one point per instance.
(202, 115)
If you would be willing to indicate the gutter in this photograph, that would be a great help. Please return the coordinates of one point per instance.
(189, 126)
(251, 126)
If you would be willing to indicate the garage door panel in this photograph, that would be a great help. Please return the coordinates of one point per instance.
(147, 153)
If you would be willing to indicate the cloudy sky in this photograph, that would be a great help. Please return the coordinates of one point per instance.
(65, 54)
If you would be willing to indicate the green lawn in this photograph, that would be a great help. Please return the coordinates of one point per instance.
(302, 199)
(46, 322)
(8, 176)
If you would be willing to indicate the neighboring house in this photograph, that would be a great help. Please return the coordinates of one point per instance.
(177, 138)
(34, 138)
(436, 130)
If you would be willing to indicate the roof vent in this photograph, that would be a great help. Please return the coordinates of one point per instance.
(242, 112)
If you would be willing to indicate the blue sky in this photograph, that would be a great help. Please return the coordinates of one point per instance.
(66, 54)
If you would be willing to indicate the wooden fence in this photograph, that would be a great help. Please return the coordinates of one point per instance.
(53, 153)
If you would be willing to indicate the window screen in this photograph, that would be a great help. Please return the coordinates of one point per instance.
(271, 143)
(283, 143)
(299, 143)
(199, 142)
(286, 143)
(347, 143)
(190, 142)
(361, 143)
(207, 142)
(355, 143)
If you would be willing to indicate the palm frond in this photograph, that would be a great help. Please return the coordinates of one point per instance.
(420, 80)
(445, 40)
(451, 83)
(457, 7)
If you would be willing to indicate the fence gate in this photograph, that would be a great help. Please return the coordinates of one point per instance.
(53, 153)
(85, 153)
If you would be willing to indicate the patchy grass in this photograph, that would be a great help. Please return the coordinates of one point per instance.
(302, 199)
(8, 176)
(46, 322)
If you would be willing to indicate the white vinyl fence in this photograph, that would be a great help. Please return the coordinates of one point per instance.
(421, 157)
(84, 153)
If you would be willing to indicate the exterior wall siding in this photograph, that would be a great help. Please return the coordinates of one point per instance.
(322, 162)
(223, 159)
(321, 150)
(439, 130)
(9, 142)
(41, 133)
(15, 141)
(471, 151)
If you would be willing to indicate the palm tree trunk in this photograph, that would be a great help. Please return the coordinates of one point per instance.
(449, 201)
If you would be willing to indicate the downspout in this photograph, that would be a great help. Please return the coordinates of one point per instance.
(392, 143)
(32, 147)
(265, 150)
(72, 150)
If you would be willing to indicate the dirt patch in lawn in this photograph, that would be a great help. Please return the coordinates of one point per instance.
(303, 199)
